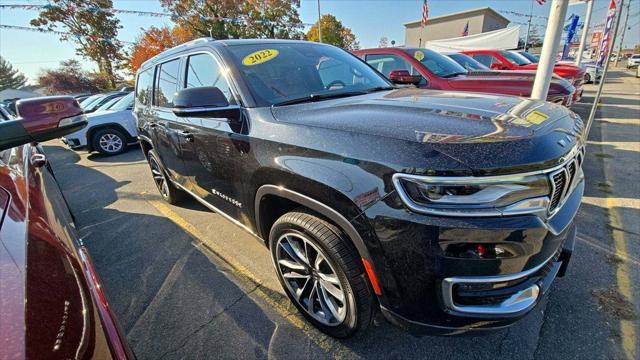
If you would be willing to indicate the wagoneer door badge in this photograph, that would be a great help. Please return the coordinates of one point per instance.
(226, 198)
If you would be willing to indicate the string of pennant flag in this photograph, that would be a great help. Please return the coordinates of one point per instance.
(78, 37)
(95, 9)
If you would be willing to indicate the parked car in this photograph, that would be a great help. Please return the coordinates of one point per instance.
(100, 100)
(108, 132)
(431, 70)
(592, 74)
(53, 305)
(511, 60)
(633, 61)
(448, 211)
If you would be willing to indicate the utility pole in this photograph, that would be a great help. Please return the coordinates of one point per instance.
(319, 23)
(585, 31)
(526, 39)
(550, 46)
(596, 100)
(624, 30)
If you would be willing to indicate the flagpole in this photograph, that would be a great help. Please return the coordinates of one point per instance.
(526, 39)
(596, 100)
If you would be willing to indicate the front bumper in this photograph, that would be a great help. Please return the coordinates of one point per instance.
(427, 290)
(518, 303)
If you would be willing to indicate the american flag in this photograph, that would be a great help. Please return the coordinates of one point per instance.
(465, 31)
(425, 12)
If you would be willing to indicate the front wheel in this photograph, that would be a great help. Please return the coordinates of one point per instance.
(587, 78)
(109, 141)
(321, 273)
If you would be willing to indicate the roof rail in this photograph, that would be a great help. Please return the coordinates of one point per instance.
(179, 47)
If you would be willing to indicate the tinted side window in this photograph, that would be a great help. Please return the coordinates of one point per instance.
(485, 60)
(385, 63)
(143, 87)
(167, 83)
(203, 70)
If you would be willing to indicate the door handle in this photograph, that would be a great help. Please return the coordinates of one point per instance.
(187, 135)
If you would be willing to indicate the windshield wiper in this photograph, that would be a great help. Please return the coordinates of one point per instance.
(318, 97)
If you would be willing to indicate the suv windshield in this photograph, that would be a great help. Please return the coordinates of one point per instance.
(280, 73)
(515, 58)
(530, 57)
(438, 64)
(123, 103)
(467, 62)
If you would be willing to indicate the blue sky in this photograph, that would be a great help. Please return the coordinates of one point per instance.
(369, 19)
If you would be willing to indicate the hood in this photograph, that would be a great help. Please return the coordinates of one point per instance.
(487, 133)
(563, 70)
(107, 115)
(519, 83)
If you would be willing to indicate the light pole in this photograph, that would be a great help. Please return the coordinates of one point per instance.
(624, 30)
(319, 24)
(549, 49)
(585, 31)
(526, 39)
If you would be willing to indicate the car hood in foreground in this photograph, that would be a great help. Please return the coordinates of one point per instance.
(485, 132)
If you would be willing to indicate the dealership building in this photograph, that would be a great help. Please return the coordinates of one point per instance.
(453, 25)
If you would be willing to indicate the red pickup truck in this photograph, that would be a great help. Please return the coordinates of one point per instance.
(511, 60)
(429, 69)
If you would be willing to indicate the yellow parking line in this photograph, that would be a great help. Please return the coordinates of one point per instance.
(627, 327)
(278, 302)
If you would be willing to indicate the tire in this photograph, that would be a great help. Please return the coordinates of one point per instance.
(332, 266)
(587, 78)
(168, 191)
(109, 141)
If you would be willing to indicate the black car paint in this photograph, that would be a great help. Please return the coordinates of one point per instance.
(337, 157)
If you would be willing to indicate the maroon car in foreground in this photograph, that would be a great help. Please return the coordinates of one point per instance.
(51, 301)
(431, 70)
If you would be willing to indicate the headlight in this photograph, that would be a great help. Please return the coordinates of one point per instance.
(474, 196)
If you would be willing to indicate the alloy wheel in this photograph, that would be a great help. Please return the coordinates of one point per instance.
(110, 143)
(311, 279)
(158, 177)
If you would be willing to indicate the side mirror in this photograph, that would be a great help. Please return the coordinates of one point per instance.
(42, 119)
(497, 66)
(403, 77)
(208, 101)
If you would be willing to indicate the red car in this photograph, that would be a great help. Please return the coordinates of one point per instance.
(51, 301)
(429, 69)
(511, 60)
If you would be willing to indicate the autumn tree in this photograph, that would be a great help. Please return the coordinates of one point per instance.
(91, 25)
(238, 19)
(10, 78)
(334, 33)
(154, 41)
(68, 78)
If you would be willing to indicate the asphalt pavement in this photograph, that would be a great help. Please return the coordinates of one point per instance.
(185, 283)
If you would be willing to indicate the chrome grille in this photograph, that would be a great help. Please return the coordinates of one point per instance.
(562, 181)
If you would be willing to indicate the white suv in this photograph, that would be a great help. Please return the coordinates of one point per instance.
(108, 132)
(633, 61)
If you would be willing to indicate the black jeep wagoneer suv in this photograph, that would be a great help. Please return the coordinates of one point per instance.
(448, 211)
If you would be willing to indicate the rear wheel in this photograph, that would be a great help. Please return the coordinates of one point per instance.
(109, 141)
(167, 190)
(321, 273)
